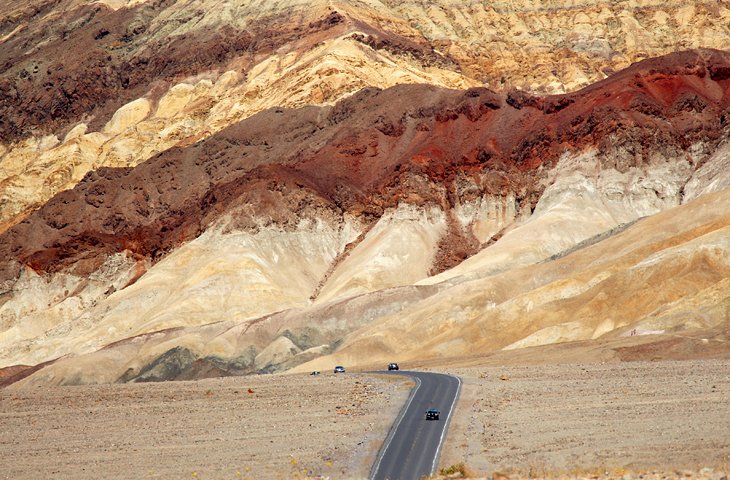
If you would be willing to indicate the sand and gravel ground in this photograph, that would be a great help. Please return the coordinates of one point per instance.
(663, 419)
(289, 426)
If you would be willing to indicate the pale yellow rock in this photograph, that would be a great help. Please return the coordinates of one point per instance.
(224, 82)
(75, 132)
(661, 18)
(10, 35)
(47, 142)
(174, 101)
(127, 116)
(713, 176)
(564, 332)
(117, 4)
(39, 317)
(234, 276)
(487, 216)
(122, 153)
(606, 326)
(398, 250)
(685, 15)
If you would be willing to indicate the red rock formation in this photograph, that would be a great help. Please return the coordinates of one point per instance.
(369, 152)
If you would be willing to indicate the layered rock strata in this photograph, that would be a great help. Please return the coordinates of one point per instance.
(326, 213)
(84, 86)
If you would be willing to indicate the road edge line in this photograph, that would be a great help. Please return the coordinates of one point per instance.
(391, 433)
(448, 423)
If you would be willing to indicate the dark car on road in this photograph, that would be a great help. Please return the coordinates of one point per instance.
(392, 366)
(339, 369)
(432, 414)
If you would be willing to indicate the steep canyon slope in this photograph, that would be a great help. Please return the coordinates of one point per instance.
(347, 182)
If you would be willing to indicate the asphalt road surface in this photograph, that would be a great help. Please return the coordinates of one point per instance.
(413, 445)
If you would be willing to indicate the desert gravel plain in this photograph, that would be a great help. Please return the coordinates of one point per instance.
(665, 419)
(258, 427)
(661, 419)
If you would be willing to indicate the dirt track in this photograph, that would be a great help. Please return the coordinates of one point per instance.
(670, 417)
(243, 427)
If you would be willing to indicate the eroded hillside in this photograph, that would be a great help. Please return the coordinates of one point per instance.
(113, 83)
(192, 189)
(405, 203)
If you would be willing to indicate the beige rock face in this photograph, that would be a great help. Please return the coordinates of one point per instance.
(713, 176)
(117, 4)
(276, 352)
(667, 272)
(219, 276)
(487, 216)
(397, 251)
(128, 117)
(585, 198)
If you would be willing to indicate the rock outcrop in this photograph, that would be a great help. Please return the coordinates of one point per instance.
(220, 191)
(301, 209)
(113, 83)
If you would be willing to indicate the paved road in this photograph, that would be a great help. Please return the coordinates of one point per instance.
(413, 445)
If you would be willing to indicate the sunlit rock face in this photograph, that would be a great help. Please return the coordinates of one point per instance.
(113, 83)
(211, 190)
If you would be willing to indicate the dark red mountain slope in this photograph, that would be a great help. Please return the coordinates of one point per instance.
(411, 143)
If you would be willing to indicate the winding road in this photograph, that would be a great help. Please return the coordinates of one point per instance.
(412, 447)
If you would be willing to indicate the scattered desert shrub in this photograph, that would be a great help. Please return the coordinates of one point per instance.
(456, 468)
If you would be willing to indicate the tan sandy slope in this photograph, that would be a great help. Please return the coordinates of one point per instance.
(665, 273)
(662, 274)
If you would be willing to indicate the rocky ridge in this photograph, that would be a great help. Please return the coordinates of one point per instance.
(216, 188)
(255, 230)
(139, 77)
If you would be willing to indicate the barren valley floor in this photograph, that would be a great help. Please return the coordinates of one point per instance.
(258, 427)
(671, 417)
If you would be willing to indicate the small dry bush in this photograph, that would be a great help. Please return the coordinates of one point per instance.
(459, 468)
